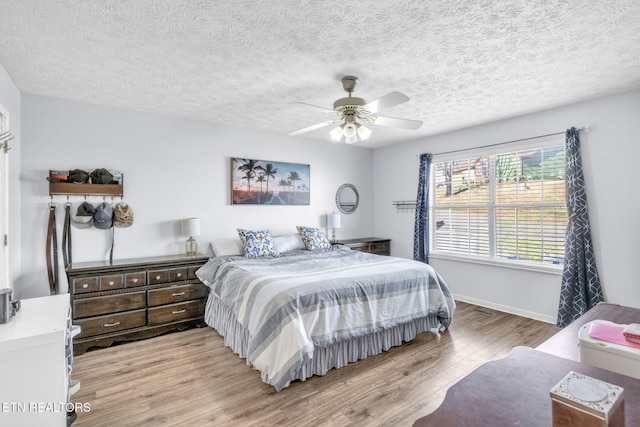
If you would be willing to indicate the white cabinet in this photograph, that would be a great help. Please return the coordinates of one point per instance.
(35, 363)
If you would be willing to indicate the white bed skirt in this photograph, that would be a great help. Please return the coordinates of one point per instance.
(337, 355)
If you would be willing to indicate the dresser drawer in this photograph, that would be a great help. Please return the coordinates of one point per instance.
(158, 276)
(178, 274)
(176, 294)
(138, 278)
(109, 282)
(85, 284)
(381, 248)
(95, 306)
(111, 323)
(192, 271)
(174, 312)
(363, 247)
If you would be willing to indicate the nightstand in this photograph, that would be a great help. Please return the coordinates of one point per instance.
(372, 245)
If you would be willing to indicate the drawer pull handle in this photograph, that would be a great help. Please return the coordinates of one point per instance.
(179, 275)
(178, 311)
(135, 280)
(177, 294)
(106, 325)
(111, 283)
(85, 286)
(157, 277)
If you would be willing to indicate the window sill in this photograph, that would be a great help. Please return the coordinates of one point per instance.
(518, 265)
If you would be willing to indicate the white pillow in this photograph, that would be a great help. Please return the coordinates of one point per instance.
(287, 243)
(226, 247)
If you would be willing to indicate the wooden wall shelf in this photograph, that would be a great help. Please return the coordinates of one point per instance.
(70, 188)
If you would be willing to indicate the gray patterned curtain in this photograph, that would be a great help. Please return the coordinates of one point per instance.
(421, 230)
(580, 289)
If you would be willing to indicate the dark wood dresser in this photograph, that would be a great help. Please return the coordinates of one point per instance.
(372, 245)
(134, 299)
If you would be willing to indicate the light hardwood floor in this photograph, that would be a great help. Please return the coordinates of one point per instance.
(190, 378)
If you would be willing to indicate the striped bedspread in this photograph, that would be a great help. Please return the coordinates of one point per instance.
(294, 304)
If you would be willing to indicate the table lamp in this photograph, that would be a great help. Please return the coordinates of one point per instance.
(334, 220)
(191, 227)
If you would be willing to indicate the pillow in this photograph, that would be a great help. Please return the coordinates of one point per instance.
(256, 243)
(226, 247)
(313, 238)
(287, 243)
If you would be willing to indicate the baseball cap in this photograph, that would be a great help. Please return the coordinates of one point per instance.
(103, 217)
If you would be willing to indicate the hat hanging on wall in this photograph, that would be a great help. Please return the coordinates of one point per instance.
(103, 217)
(122, 215)
(83, 218)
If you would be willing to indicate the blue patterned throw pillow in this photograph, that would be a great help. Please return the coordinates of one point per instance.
(256, 243)
(313, 238)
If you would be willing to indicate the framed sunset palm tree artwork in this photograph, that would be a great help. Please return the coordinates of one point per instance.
(264, 182)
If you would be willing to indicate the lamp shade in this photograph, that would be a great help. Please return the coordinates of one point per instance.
(336, 133)
(364, 132)
(350, 130)
(190, 227)
(334, 220)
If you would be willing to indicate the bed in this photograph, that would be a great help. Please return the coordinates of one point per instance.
(303, 312)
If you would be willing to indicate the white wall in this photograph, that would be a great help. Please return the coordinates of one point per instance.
(173, 168)
(610, 152)
(10, 103)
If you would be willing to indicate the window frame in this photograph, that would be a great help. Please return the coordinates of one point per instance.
(491, 260)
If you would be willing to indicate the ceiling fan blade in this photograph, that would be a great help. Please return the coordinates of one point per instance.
(393, 122)
(317, 107)
(389, 100)
(313, 127)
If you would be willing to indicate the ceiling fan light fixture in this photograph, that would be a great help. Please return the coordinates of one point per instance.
(350, 130)
(363, 132)
(336, 134)
(351, 139)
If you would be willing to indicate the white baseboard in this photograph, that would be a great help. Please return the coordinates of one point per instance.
(506, 309)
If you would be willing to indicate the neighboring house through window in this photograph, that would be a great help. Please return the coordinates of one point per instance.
(506, 205)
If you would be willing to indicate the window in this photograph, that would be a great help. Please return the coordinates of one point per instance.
(505, 206)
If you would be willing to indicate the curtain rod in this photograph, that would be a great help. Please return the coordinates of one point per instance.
(582, 129)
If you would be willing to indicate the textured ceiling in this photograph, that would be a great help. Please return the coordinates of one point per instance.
(243, 63)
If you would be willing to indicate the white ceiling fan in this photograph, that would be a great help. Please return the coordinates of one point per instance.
(351, 109)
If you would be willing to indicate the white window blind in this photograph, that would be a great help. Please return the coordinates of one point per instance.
(507, 206)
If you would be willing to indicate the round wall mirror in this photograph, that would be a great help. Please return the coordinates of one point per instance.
(347, 198)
